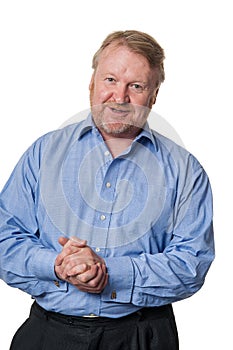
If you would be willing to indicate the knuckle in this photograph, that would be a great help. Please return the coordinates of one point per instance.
(67, 260)
(95, 284)
(69, 250)
(85, 279)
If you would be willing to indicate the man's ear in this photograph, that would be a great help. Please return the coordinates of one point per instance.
(91, 82)
(154, 97)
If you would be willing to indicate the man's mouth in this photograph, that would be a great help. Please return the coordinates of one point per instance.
(120, 110)
(116, 110)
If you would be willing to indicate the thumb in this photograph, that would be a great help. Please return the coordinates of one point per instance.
(63, 240)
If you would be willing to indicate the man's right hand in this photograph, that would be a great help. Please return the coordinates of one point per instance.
(79, 265)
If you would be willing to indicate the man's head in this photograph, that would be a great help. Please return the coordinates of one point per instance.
(137, 42)
(128, 71)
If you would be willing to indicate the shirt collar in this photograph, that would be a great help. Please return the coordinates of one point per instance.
(86, 125)
(89, 124)
(147, 133)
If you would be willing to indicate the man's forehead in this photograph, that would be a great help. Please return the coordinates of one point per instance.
(117, 46)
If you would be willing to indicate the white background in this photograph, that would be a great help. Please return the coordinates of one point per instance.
(45, 67)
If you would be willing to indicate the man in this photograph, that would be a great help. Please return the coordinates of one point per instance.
(105, 222)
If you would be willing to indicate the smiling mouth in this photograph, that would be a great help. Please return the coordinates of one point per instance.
(116, 110)
(119, 110)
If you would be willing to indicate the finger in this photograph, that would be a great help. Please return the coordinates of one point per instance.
(58, 260)
(93, 289)
(70, 246)
(61, 257)
(67, 250)
(74, 264)
(88, 275)
(78, 242)
(78, 269)
(91, 279)
(98, 282)
(95, 285)
(60, 273)
(75, 241)
(63, 240)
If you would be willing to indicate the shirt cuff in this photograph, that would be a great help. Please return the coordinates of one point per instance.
(121, 280)
(43, 265)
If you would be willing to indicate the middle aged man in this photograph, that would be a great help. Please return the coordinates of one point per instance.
(105, 222)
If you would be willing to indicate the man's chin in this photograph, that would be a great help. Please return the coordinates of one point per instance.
(116, 128)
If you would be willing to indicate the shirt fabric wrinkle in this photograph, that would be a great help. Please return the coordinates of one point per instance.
(148, 213)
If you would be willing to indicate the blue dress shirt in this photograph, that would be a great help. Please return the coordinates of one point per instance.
(147, 212)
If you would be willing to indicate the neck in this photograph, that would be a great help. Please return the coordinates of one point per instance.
(117, 145)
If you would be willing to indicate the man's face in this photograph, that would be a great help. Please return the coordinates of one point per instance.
(122, 92)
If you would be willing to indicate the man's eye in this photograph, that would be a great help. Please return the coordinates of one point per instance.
(137, 87)
(109, 79)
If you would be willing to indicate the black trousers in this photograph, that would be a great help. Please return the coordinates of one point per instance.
(147, 329)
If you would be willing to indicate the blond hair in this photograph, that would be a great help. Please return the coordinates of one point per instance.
(138, 42)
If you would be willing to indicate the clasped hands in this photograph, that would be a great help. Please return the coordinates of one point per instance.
(79, 265)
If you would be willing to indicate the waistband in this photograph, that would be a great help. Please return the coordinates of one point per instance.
(165, 311)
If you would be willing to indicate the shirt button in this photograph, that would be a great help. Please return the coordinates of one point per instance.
(108, 185)
(106, 153)
(97, 250)
(102, 217)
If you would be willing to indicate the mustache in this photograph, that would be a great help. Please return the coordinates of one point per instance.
(124, 107)
(135, 110)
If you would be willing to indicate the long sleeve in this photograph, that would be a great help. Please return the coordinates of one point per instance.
(147, 213)
(25, 262)
(179, 270)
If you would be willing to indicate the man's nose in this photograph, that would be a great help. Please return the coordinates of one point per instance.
(121, 94)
